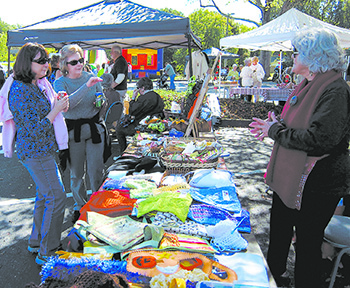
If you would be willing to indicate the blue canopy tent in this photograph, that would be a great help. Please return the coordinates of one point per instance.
(109, 22)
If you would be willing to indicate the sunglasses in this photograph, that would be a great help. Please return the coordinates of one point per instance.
(75, 62)
(295, 52)
(42, 61)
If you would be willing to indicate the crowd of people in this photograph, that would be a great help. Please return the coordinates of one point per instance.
(251, 74)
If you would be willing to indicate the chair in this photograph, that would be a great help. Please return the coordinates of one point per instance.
(337, 233)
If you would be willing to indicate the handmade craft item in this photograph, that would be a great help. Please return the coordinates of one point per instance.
(152, 263)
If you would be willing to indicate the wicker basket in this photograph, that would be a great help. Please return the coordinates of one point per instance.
(186, 164)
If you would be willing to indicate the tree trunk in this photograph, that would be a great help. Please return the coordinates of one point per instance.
(266, 62)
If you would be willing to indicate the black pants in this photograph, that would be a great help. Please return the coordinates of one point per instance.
(122, 132)
(309, 222)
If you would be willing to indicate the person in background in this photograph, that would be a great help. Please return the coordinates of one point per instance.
(87, 68)
(98, 68)
(114, 108)
(233, 74)
(40, 132)
(247, 77)
(258, 72)
(87, 133)
(129, 72)
(55, 69)
(119, 71)
(145, 102)
(102, 70)
(2, 76)
(309, 167)
(169, 70)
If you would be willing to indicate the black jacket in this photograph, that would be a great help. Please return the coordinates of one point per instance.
(148, 104)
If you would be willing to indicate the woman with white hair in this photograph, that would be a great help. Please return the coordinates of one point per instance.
(258, 72)
(233, 75)
(309, 167)
(247, 76)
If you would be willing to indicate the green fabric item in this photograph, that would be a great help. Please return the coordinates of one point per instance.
(173, 202)
(140, 184)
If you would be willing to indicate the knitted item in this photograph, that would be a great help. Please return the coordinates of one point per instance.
(211, 215)
(67, 270)
(173, 224)
(226, 238)
(93, 279)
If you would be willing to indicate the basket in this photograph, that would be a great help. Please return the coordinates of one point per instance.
(173, 159)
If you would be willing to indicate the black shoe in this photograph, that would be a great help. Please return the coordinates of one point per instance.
(283, 281)
(75, 216)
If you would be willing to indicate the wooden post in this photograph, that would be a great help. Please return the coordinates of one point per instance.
(200, 98)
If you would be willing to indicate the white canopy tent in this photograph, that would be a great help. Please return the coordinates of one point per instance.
(277, 34)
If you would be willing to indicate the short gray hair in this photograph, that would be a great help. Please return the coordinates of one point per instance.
(116, 47)
(319, 50)
(246, 61)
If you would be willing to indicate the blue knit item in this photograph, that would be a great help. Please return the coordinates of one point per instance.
(211, 215)
(68, 269)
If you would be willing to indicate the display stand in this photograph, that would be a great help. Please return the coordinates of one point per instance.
(202, 93)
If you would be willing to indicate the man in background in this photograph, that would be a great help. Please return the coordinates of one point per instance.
(129, 72)
(119, 71)
(169, 70)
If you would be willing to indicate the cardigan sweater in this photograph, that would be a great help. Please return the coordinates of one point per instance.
(324, 140)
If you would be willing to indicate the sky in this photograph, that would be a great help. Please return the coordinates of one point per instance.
(26, 12)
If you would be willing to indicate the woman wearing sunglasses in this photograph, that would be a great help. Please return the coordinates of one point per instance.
(309, 167)
(40, 131)
(87, 133)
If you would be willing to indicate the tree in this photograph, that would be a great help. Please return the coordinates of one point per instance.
(210, 27)
(336, 12)
(4, 27)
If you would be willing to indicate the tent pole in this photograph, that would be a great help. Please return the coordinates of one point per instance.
(190, 55)
(8, 60)
(219, 73)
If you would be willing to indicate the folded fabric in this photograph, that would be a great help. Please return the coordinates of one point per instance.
(223, 197)
(171, 223)
(184, 242)
(121, 232)
(174, 202)
(113, 184)
(211, 178)
(211, 215)
(110, 203)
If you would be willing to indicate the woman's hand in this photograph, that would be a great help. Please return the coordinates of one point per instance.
(62, 105)
(261, 127)
(93, 81)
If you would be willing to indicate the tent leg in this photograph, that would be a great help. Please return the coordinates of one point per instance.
(8, 60)
(190, 55)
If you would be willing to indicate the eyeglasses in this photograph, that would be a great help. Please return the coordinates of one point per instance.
(295, 52)
(75, 62)
(42, 61)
